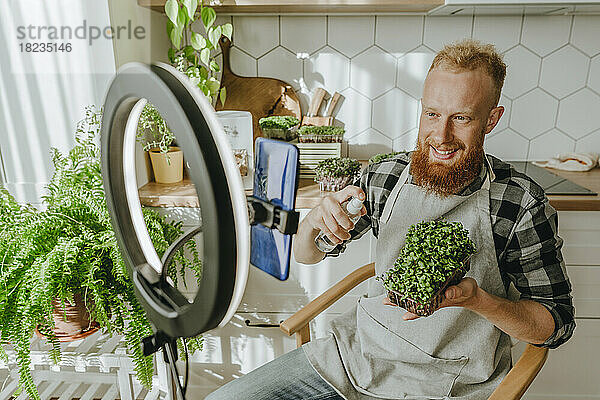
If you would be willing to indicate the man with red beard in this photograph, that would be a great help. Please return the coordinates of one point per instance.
(462, 351)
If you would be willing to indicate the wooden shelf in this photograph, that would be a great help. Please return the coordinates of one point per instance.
(183, 194)
(310, 6)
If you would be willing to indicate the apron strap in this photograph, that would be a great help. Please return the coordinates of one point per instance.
(389, 203)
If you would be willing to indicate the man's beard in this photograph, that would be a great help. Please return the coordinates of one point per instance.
(441, 179)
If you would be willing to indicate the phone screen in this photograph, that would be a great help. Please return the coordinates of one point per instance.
(275, 180)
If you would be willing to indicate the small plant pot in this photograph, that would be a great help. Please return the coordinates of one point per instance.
(280, 133)
(425, 309)
(73, 322)
(168, 168)
(334, 183)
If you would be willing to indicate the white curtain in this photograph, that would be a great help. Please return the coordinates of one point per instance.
(43, 94)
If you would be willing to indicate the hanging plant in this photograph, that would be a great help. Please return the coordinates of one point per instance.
(192, 51)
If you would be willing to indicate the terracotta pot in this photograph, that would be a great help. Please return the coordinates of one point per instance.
(168, 168)
(73, 321)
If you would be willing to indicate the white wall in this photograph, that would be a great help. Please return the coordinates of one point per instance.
(43, 95)
(378, 63)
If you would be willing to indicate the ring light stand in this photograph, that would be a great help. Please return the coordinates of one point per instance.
(226, 213)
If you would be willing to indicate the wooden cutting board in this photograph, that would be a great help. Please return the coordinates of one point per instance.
(262, 97)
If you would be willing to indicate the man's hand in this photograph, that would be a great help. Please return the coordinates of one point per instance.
(330, 217)
(464, 294)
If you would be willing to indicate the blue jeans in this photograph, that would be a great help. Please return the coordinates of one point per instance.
(289, 377)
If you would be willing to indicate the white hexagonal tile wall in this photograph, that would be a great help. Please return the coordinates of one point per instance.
(589, 144)
(502, 31)
(544, 34)
(522, 71)
(507, 145)
(241, 63)
(372, 72)
(303, 34)
(505, 118)
(594, 79)
(412, 70)
(407, 142)
(398, 34)
(256, 35)
(577, 113)
(354, 112)
(444, 30)
(367, 144)
(534, 113)
(586, 31)
(566, 60)
(327, 69)
(351, 34)
(395, 113)
(281, 64)
(550, 144)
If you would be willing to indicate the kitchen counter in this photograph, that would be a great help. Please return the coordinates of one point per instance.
(183, 194)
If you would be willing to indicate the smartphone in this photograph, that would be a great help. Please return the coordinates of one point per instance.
(276, 171)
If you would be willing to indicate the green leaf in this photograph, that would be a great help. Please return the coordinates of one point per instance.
(191, 6)
(227, 30)
(205, 56)
(172, 9)
(214, 66)
(214, 34)
(198, 41)
(203, 73)
(189, 53)
(204, 89)
(182, 18)
(208, 16)
(223, 95)
(175, 35)
(213, 85)
(171, 54)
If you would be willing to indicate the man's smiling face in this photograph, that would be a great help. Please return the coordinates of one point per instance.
(457, 112)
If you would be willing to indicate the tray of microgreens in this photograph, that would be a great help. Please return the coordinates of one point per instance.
(281, 127)
(320, 134)
(382, 156)
(435, 256)
(335, 173)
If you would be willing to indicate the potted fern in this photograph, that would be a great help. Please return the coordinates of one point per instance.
(66, 252)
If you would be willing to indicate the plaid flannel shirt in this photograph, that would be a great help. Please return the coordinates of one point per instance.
(524, 227)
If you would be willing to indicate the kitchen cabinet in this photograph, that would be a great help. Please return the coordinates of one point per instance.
(310, 6)
(430, 7)
(507, 7)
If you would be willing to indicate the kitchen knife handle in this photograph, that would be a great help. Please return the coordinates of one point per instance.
(316, 101)
(332, 104)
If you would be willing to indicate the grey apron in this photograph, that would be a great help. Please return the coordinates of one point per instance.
(372, 352)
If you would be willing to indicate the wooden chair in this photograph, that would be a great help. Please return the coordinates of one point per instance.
(512, 387)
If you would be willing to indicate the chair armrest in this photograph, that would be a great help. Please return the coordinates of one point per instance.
(514, 385)
(306, 314)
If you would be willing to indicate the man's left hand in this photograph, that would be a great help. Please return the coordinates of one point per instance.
(464, 294)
